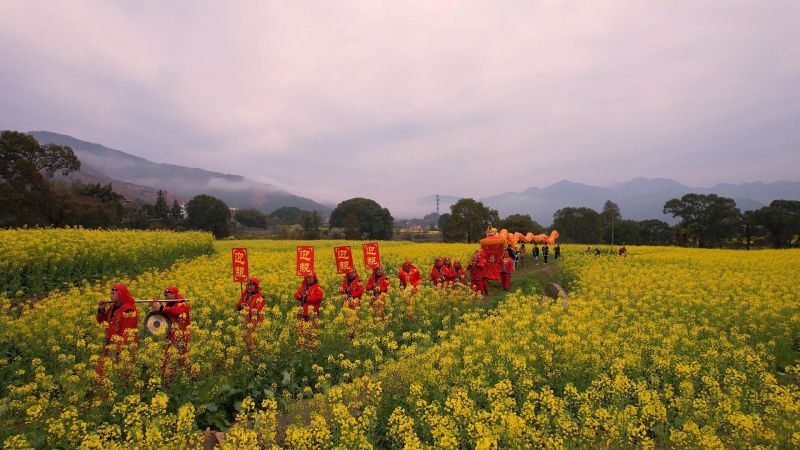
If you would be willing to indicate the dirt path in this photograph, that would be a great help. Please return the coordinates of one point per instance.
(529, 278)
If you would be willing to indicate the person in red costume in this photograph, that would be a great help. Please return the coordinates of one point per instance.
(352, 289)
(447, 270)
(505, 272)
(179, 334)
(310, 296)
(438, 275)
(378, 282)
(251, 300)
(477, 269)
(409, 275)
(458, 274)
(377, 285)
(122, 324)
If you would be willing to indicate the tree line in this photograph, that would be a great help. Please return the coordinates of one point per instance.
(706, 220)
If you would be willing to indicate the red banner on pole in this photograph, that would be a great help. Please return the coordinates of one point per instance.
(344, 259)
(305, 260)
(240, 267)
(372, 255)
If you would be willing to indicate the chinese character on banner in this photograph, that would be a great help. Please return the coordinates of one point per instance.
(239, 257)
(344, 259)
(305, 260)
(372, 255)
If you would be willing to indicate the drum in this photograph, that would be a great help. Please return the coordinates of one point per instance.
(157, 324)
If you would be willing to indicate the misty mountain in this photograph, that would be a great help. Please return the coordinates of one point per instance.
(103, 163)
(638, 199)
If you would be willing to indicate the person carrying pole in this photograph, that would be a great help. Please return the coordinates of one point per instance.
(179, 334)
(122, 324)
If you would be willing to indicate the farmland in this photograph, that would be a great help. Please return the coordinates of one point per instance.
(666, 347)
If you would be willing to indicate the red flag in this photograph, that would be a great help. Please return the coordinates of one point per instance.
(240, 267)
(305, 260)
(372, 255)
(344, 259)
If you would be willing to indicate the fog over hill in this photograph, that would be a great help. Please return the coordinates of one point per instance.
(237, 191)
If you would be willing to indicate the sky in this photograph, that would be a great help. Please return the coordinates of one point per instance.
(397, 100)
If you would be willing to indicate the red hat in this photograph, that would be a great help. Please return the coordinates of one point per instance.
(255, 282)
(123, 293)
(173, 290)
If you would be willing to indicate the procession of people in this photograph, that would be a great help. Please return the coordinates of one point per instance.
(170, 315)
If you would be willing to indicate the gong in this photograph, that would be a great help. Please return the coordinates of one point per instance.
(157, 324)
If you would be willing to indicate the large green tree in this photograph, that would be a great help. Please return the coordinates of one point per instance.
(311, 221)
(625, 231)
(578, 225)
(522, 223)
(374, 221)
(780, 220)
(176, 214)
(611, 216)
(205, 212)
(706, 220)
(251, 217)
(468, 221)
(654, 232)
(26, 195)
(91, 206)
(442, 221)
(287, 215)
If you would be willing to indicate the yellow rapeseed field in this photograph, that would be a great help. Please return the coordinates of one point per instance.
(666, 347)
(50, 393)
(38, 260)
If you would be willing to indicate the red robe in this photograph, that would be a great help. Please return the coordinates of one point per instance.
(382, 284)
(477, 275)
(438, 275)
(313, 296)
(458, 274)
(179, 334)
(412, 277)
(356, 287)
(178, 314)
(356, 290)
(121, 318)
(253, 302)
(506, 271)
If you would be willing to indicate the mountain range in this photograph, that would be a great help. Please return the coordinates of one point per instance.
(139, 179)
(640, 198)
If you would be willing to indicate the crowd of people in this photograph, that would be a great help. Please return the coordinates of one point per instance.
(121, 317)
(519, 254)
(621, 251)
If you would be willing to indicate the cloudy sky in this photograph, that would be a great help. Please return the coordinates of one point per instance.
(392, 100)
